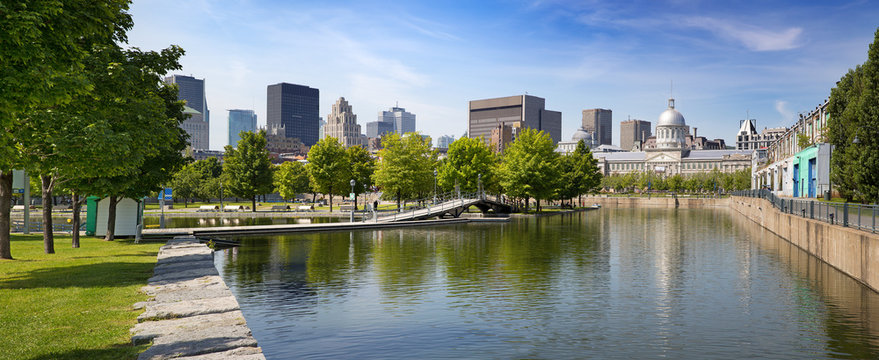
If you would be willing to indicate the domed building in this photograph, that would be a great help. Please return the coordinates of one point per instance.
(673, 150)
(671, 129)
(590, 138)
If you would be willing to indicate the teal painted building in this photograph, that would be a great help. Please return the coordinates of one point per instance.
(811, 171)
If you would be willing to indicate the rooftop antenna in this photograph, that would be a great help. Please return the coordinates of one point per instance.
(397, 103)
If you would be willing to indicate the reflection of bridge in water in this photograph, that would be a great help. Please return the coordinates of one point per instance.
(448, 206)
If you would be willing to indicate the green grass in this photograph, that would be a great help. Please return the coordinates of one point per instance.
(75, 304)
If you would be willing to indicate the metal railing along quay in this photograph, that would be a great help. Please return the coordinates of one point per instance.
(863, 217)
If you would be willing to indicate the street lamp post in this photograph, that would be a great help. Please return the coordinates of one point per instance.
(434, 186)
(355, 199)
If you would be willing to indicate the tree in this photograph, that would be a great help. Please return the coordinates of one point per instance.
(579, 173)
(247, 171)
(362, 168)
(530, 167)
(329, 168)
(467, 159)
(291, 178)
(187, 183)
(211, 178)
(854, 114)
(406, 166)
(42, 46)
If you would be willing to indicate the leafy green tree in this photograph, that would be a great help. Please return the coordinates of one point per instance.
(42, 46)
(211, 171)
(291, 178)
(406, 166)
(467, 159)
(187, 182)
(854, 114)
(580, 173)
(329, 168)
(247, 170)
(675, 182)
(362, 169)
(530, 167)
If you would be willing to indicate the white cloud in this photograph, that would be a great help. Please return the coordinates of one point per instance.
(787, 115)
(752, 37)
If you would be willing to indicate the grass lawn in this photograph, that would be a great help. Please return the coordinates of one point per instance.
(75, 304)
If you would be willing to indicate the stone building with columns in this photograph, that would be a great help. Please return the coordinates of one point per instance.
(671, 153)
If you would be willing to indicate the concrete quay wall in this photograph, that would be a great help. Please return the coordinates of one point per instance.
(656, 201)
(854, 252)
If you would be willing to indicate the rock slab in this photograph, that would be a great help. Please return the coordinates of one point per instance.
(193, 314)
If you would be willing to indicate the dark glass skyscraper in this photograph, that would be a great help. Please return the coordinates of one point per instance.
(197, 126)
(294, 108)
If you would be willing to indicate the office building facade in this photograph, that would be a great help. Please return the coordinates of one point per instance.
(633, 132)
(404, 121)
(192, 91)
(342, 124)
(443, 142)
(240, 120)
(599, 121)
(295, 108)
(519, 111)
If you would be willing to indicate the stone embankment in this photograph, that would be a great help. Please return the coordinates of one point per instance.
(193, 314)
(852, 251)
(656, 201)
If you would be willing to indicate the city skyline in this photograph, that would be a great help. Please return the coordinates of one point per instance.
(772, 61)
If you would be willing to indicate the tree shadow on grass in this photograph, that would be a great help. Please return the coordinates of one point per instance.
(118, 351)
(108, 274)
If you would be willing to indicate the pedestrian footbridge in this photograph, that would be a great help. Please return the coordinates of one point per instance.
(453, 207)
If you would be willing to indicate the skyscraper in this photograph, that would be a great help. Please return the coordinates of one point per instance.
(191, 90)
(342, 124)
(240, 120)
(519, 111)
(444, 141)
(404, 121)
(633, 131)
(599, 121)
(295, 108)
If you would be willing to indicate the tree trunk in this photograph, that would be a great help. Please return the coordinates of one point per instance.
(398, 200)
(355, 201)
(331, 200)
(5, 200)
(77, 206)
(537, 204)
(111, 219)
(313, 197)
(48, 238)
(253, 203)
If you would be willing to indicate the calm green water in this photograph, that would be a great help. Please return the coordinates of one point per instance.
(192, 222)
(612, 283)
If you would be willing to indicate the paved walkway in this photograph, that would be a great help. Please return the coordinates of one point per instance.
(192, 314)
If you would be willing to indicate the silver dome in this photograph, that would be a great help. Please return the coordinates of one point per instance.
(671, 117)
(581, 134)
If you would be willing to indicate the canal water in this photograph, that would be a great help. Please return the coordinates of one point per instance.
(610, 283)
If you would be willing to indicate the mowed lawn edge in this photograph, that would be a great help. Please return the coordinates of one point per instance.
(74, 304)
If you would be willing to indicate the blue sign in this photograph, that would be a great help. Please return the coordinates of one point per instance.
(18, 191)
(168, 194)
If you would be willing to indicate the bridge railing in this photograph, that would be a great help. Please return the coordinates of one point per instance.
(857, 216)
(442, 202)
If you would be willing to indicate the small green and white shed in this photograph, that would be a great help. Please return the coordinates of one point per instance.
(129, 214)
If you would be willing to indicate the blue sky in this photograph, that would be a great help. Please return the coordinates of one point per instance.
(772, 59)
